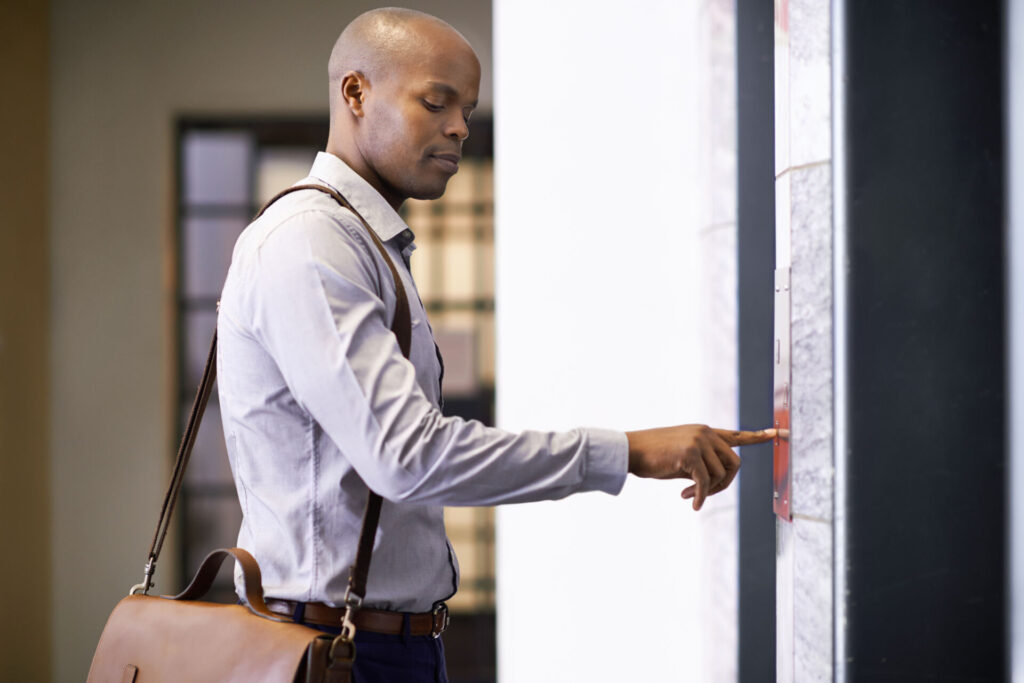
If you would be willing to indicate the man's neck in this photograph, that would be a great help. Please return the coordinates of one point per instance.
(354, 160)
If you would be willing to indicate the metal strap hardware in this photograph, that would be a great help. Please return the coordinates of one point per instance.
(441, 619)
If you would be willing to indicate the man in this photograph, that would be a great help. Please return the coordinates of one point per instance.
(319, 405)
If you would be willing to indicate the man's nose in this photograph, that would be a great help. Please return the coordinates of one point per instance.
(456, 127)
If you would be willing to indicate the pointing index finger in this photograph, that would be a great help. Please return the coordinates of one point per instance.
(735, 437)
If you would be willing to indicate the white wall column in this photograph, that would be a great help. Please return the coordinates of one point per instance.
(604, 248)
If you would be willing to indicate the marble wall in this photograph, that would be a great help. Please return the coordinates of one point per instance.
(803, 171)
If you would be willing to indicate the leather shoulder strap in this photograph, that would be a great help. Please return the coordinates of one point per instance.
(401, 326)
(188, 439)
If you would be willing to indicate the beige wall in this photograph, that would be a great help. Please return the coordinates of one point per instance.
(24, 293)
(122, 71)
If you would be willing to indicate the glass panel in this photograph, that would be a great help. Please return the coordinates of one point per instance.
(465, 600)
(485, 270)
(459, 320)
(458, 223)
(461, 187)
(485, 348)
(417, 216)
(216, 167)
(208, 243)
(484, 224)
(211, 522)
(471, 531)
(208, 465)
(469, 565)
(198, 329)
(485, 186)
(459, 268)
(458, 348)
(459, 521)
(424, 264)
(280, 167)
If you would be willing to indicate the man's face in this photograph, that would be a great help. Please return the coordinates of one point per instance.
(416, 119)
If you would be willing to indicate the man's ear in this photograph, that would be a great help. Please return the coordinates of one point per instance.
(353, 91)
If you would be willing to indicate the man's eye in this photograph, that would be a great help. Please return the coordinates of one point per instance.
(431, 106)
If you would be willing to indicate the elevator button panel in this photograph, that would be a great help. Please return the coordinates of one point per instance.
(782, 475)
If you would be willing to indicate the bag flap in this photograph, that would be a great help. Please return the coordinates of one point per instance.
(177, 640)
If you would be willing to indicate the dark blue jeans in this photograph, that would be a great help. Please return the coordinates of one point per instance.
(384, 658)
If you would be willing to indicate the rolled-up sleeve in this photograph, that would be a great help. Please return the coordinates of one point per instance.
(317, 311)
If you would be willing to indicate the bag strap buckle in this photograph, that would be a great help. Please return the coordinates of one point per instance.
(147, 579)
(442, 619)
(348, 626)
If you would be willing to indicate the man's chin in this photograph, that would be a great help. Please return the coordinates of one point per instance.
(433, 192)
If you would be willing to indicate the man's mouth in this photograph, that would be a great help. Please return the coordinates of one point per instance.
(449, 162)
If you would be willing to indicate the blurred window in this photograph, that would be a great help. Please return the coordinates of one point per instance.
(454, 270)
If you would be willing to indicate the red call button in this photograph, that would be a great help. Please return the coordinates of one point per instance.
(781, 473)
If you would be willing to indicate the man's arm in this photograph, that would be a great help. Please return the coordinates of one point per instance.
(313, 299)
(317, 311)
(695, 452)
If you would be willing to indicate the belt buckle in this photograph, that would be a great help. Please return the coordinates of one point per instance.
(441, 619)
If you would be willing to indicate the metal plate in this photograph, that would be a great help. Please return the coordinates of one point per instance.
(782, 475)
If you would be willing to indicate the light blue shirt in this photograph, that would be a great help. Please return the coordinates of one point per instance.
(318, 402)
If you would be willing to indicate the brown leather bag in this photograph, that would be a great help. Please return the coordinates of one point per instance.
(155, 639)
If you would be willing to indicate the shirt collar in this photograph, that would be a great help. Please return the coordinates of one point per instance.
(383, 219)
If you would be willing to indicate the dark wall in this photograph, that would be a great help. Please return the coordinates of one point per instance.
(25, 519)
(925, 406)
(756, 261)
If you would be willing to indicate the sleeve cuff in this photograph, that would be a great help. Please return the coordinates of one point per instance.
(607, 460)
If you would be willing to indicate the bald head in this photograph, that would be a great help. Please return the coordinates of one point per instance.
(403, 87)
(382, 42)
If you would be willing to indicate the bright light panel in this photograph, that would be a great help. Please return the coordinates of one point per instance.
(597, 207)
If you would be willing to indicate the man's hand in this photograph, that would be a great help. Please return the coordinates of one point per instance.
(695, 452)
